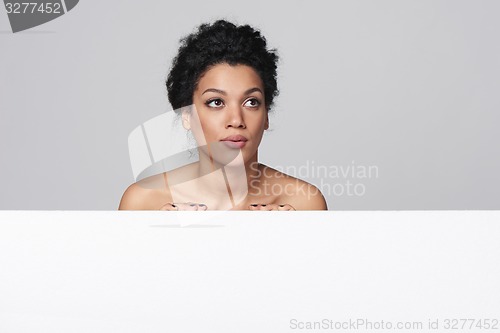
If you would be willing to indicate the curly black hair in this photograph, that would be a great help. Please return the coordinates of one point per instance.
(217, 43)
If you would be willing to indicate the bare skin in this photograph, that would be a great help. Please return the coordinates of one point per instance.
(289, 194)
(228, 101)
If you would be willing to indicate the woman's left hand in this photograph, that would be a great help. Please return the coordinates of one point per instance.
(283, 207)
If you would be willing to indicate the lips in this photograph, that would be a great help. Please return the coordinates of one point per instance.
(235, 141)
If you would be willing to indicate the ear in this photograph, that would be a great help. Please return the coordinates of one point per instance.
(186, 118)
(266, 126)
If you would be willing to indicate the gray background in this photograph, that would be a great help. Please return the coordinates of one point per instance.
(408, 86)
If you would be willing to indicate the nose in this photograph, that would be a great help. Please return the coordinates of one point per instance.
(235, 118)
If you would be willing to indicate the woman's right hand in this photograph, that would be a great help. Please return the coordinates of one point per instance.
(183, 206)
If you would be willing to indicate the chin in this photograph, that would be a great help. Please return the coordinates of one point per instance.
(225, 156)
(235, 158)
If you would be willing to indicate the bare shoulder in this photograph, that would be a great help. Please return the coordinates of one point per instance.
(147, 194)
(296, 192)
(152, 192)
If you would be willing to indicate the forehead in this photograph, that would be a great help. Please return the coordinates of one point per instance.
(230, 78)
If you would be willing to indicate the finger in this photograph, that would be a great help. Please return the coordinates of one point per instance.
(169, 206)
(271, 207)
(192, 206)
(285, 207)
(253, 207)
(264, 207)
(257, 207)
(188, 206)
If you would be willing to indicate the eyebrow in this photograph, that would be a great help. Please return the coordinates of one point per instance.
(222, 92)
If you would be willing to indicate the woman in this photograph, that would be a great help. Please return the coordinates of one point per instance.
(222, 84)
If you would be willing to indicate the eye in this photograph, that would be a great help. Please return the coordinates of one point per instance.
(215, 103)
(253, 103)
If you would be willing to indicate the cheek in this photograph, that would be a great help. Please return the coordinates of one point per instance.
(196, 128)
(208, 127)
(259, 123)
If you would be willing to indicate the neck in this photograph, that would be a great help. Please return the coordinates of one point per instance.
(239, 178)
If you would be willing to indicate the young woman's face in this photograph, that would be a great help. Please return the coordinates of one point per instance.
(230, 112)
